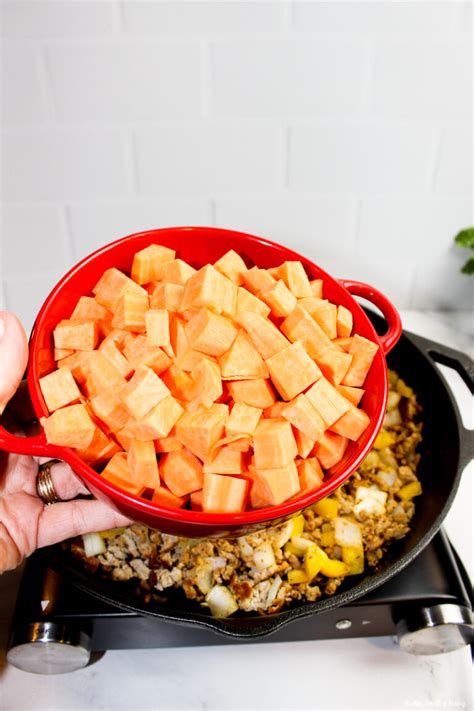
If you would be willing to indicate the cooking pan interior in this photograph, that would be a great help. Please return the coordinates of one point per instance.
(438, 471)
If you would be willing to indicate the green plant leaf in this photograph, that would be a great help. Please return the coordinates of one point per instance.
(465, 238)
(468, 268)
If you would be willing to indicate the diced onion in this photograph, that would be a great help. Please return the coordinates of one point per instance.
(204, 577)
(217, 562)
(387, 478)
(392, 418)
(347, 533)
(245, 547)
(274, 588)
(282, 534)
(221, 601)
(263, 556)
(393, 399)
(370, 500)
(93, 543)
(302, 543)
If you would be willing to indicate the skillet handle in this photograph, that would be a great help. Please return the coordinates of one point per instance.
(390, 313)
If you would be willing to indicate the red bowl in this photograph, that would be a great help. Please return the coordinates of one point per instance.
(199, 246)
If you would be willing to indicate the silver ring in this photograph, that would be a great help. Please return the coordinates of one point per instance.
(44, 484)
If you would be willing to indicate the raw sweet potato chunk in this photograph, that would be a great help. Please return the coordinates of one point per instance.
(232, 266)
(343, 322)
(101, 375)
(201, 429)
(111, 287)
(157, 324)
(334, 364)
(207, 384)
(87, 307)
(204, 288)
(243, 419)
(242, 360)
(310, 474)
(117, 472)
(167, 296)
(142, 464)
(257, 393)
(176, 272)
(274, 486)
(148, 262)
(130, 312)
(304, 443)
(363, 353)
(210, 333)
(108, 407)
(304, 417)
(279, 298)
(225, 494)
(330, 449)
(179, 382)
(354, 395)
(265, 336)
(296, 279)
(138, 352)
(226, 461)
(352, 424)
(248, 302)
(59, 389)
(100, 449)
(292, 370)
(163, 497)
(181, 471)
(257, 280)
(77, 334)
(274, 444)
(299, 326)
(327, 401)
(143, 391)
(70, 426)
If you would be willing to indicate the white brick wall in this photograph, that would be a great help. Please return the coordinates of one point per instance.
(340, 128)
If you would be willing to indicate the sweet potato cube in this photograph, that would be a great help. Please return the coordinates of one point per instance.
(130, 312)
(334, 364)
(363, 353)
(138, 352)
(108, 407)
(274, 410)
(229, 297)
(111, 287)
(310, 474)
(226, 461)
(274, 444)
(210, 333)
(324, 313)
(102, 374)
(257, 280)
(100, 449)
(79, 365)
(71, 426)
(167, 296)
(196, 500)
(204, 288)
(87, 308)
(232, 266)
(163, 497)
(188, 360)
(147, 263)
(178, 338)
(292, 370)
(242, 360)
(243, 419)
(354, 395)
(224, 494)
(296, 279)
(352, 424)
(181, 471)
(207, 383)
(167, 444)
(330, 449)
(157, 324)
(179, 382)
(117, 336)
(61, 353)
(77, 334)
(304, 443)
(248, 302)
(343, 321)
(316, 288)
(343, 343)
(162, 418)
(201, 429)
(142, 392)
(265, 336)
(299, 326)
(176, 271)
(59, 389)
(116, 358)
(327, 401)
(256, 393)
(304, 417)
(142, 464)
(117, 473)
(279, 298)
(275, 485)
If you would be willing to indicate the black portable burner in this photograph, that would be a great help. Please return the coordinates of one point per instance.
(56, 626)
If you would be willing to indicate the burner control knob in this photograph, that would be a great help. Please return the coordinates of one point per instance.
(49, 648)
(436, 629)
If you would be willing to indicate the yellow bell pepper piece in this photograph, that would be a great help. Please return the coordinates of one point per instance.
(384, 439)
(408, 491)
(328, 508)
(291, 548)
(353, 556)
(334, 568)
(297, 576)
(111, 532)
(298, 525)
(313, 560)
(404, 389)
(327, 539)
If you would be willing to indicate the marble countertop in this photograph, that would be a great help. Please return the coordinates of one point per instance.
(350, 674)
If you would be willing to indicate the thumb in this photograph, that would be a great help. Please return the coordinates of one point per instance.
(13, 356)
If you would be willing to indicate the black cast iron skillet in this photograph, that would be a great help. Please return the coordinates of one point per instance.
(446, 449)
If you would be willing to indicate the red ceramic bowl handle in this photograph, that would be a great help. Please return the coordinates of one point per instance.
(391, 315)
(36, 446)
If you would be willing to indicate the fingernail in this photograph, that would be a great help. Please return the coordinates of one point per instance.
(2, 327)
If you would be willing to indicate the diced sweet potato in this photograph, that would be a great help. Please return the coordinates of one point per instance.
(111, 287)
(176, 272)
(157, 325)
(167, 444)
(181, 471)
(79, 365)
(325, 316)
(70, 426)
(130, 312)
(274, 444)
(61, 353)
(242, 360)
(179, 382)
(142, 392)
(102, 374)
(275, 410)
(310, 474)
(224, 494)
(188, 360)
(147, 263)
(330, 449)
(265, 336)
(138, 352)
(279, 298)
(352, 424)
(167, 296)
(207, 383)
(160, 420)
(334, 364)
(327, 401)
(196, 500)
(363, 353)
(204, 288)
(299, 326)
(59, 388)
(210, 333)
(78, 335)
(317, 288)
(292, 370)
(276, 485)
(113, 354)
(143, 464)
(304, 417)
(100, 449)
(237, 442)
(256, 393)
(118, 337)
(232, 266)
(248, 302)
(117, 473)
(243, 419)
(226, 461)
(163, 497)
(87, 308)
(304, 443)
(108, 407)
(296, 279)
(343, 322)
(201, 429)
(257, 280)
(354, 395)
(343, 343)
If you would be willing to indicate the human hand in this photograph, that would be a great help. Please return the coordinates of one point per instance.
(26, 523)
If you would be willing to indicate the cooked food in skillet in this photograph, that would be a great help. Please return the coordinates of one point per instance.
(302, 559)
